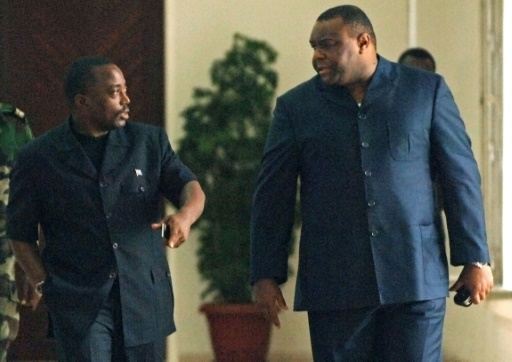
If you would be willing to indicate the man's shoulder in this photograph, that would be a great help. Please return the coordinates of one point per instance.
(301, 91)
(58, 137)
(14, 133)
(137, 132)
(411, 77)
(137, 127)
(45, 140)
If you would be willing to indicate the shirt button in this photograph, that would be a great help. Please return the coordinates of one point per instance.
(365, 144)
(115, 245)
(108, 216)
(142, 188)
(367, 173)
(371, 203)
(361, 115)
(103, 184)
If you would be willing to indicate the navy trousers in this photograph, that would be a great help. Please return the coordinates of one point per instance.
(399, 332)
(103, 341)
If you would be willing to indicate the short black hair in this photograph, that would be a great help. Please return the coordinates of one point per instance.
(351, 15)
(418, 53)
(80, 76)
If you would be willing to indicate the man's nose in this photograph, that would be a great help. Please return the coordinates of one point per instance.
(318, 54)
(124, 98)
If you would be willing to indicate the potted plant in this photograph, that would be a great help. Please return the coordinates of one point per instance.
(225, 131)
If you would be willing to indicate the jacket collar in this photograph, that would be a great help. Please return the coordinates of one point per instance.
(383, 79)
(71, 152)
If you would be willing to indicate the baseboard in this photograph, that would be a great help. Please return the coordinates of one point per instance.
(274, 357)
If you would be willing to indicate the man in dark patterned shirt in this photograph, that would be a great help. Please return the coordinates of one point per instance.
(14, 132)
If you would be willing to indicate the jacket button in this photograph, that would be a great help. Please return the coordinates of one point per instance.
(112, 275)
(365, 144)
(361, 115)
(115, 245)
(142, 189)
(374, 233)
(367, 173)
(371, 203)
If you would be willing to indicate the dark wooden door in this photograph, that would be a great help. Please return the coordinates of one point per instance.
(38, 41)
(40, 38)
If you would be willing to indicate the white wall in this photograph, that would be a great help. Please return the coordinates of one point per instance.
(451, 30)
(199, 31)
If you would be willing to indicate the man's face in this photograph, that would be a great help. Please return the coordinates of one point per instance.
(335, 52)
(107, 99)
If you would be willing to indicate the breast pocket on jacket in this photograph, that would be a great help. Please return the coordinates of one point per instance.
(408, 144)
(135, 186)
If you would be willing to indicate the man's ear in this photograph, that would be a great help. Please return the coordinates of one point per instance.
(363, 41)
(80, 101)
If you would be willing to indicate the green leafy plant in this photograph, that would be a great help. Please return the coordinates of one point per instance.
(225, 132)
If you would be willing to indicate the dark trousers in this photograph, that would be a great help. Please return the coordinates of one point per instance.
(103, 342)
(399, 332)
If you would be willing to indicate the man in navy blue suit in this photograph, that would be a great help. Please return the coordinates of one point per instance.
(367, 138)
(93, 185)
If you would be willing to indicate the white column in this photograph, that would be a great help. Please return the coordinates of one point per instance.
(413, 23)
(170, 123)
(507, 146)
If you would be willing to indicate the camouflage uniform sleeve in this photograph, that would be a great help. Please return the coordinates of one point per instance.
(13, 135)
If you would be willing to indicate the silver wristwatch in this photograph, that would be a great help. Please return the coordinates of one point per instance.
(39, 287)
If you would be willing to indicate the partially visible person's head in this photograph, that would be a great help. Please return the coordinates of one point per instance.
(96, 90)
(418, 58)
(344, 45)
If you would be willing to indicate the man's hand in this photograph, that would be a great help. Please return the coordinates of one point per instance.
(478, 281)
(267, 294)
(179, 229)
(27, 294)
(192, 204)
(27, 256)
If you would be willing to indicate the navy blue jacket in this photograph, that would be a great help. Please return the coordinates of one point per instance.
(97, 225)
(371, 230)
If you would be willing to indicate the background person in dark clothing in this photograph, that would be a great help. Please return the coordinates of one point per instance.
(418, 58)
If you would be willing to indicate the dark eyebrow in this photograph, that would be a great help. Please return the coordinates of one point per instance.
(117, 86)
(324, 40)
(330, 36)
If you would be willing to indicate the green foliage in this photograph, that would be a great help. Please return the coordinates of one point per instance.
(225, 131)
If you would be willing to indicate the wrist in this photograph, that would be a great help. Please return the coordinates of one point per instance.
(38, 287)
(186, 215)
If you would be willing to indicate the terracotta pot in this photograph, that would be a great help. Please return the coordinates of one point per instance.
(239, 332)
